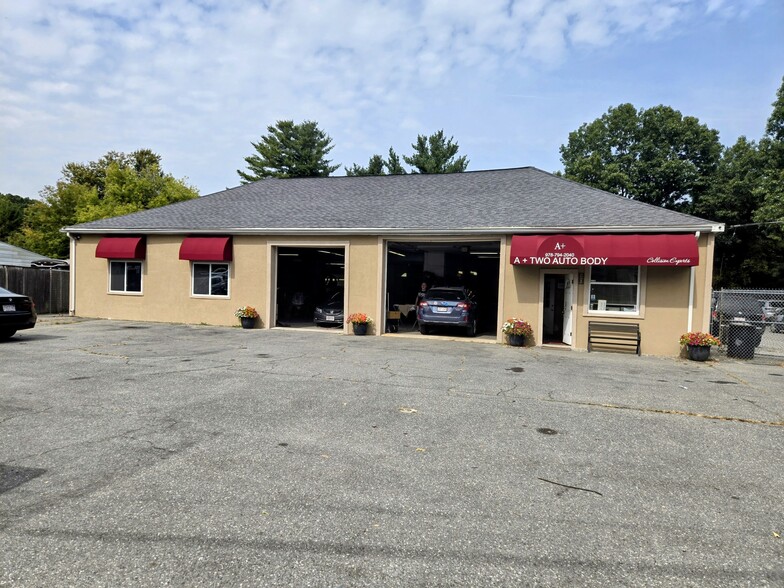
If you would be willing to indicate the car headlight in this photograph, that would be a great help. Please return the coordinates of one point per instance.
(319, 310)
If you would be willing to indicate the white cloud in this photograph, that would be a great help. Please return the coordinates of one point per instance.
(185, 75)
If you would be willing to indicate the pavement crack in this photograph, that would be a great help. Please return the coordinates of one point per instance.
(24, 413)
(670, 411)
(762, 408)
(89, 351)
(570, 487)
(502, 393)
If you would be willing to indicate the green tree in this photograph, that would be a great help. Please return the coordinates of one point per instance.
(393, 164)
(128, 190)
(747, 194)
(771, 188)
(435, 154)
(12, 209)
(115, 184)
(43, 220)
(290, 151)
(654, 155)
(733, 199)
(375, 167)
(378, 166)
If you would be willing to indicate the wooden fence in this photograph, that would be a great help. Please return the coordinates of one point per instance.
(48, 287)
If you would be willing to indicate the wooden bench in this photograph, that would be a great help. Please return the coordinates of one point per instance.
(614, 335)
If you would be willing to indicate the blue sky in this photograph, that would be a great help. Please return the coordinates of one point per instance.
(198, 80)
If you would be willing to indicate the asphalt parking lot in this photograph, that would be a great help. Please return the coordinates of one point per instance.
(136, 454)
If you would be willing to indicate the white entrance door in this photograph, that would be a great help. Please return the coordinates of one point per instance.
(567, 314)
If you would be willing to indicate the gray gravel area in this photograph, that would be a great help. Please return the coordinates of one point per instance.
(137, 454)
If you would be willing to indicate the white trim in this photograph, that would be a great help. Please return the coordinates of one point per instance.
(124, 291)
(500, 240)
(570, 273)
(503, 253)
(228, 280)
(72, 277)
(272, 268)
(272, 293)
(691, 299)
(642, 277)
(397, 233)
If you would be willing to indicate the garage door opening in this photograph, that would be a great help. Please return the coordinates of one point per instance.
(309, 289)
(472, 265)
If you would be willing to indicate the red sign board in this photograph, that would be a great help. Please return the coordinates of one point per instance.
(580, 250)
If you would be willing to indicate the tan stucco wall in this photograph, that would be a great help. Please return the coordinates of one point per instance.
(166, 281)
(167, 286)
(664, 300)
(363, 278)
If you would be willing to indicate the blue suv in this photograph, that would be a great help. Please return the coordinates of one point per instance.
(453, 307)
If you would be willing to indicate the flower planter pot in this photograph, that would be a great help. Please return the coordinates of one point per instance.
(516, 340)
(699, 352)
(360, 328)
(247, 322)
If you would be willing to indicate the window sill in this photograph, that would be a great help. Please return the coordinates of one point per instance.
(609, 314)
(118, 293)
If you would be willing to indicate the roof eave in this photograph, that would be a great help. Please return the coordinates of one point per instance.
(299, 231)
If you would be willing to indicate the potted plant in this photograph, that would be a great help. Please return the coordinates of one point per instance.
(360, 322)
(517, 330)
(247, 316)
(699, 344)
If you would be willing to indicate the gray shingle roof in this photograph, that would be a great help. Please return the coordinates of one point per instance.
(497, 201)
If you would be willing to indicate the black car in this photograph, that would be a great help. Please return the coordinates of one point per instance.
(453, 307)
(330, 312)
(16, 312)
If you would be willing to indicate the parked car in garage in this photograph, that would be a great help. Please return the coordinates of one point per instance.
(453, 307)
(330, 312)
(17, 312)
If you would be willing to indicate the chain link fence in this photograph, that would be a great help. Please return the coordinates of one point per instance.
(749, 322)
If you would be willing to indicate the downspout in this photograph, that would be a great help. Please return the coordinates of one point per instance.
(691, 291)
(72, 276)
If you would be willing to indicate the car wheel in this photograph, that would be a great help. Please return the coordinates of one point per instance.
(423, 329)
(471, 330)
(6, 333)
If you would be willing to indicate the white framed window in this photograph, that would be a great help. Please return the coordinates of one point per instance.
(614, 289)
(125, 277)
(210, 279)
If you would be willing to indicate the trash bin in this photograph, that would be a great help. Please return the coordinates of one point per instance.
(742, 338)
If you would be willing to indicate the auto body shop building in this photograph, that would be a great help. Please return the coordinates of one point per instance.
(527, 243)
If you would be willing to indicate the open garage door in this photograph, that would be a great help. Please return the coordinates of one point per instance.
(309, 289)
(473, 265)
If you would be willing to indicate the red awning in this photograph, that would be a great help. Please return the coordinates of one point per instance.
(577, 250)
(206, 249)
(121, 248)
